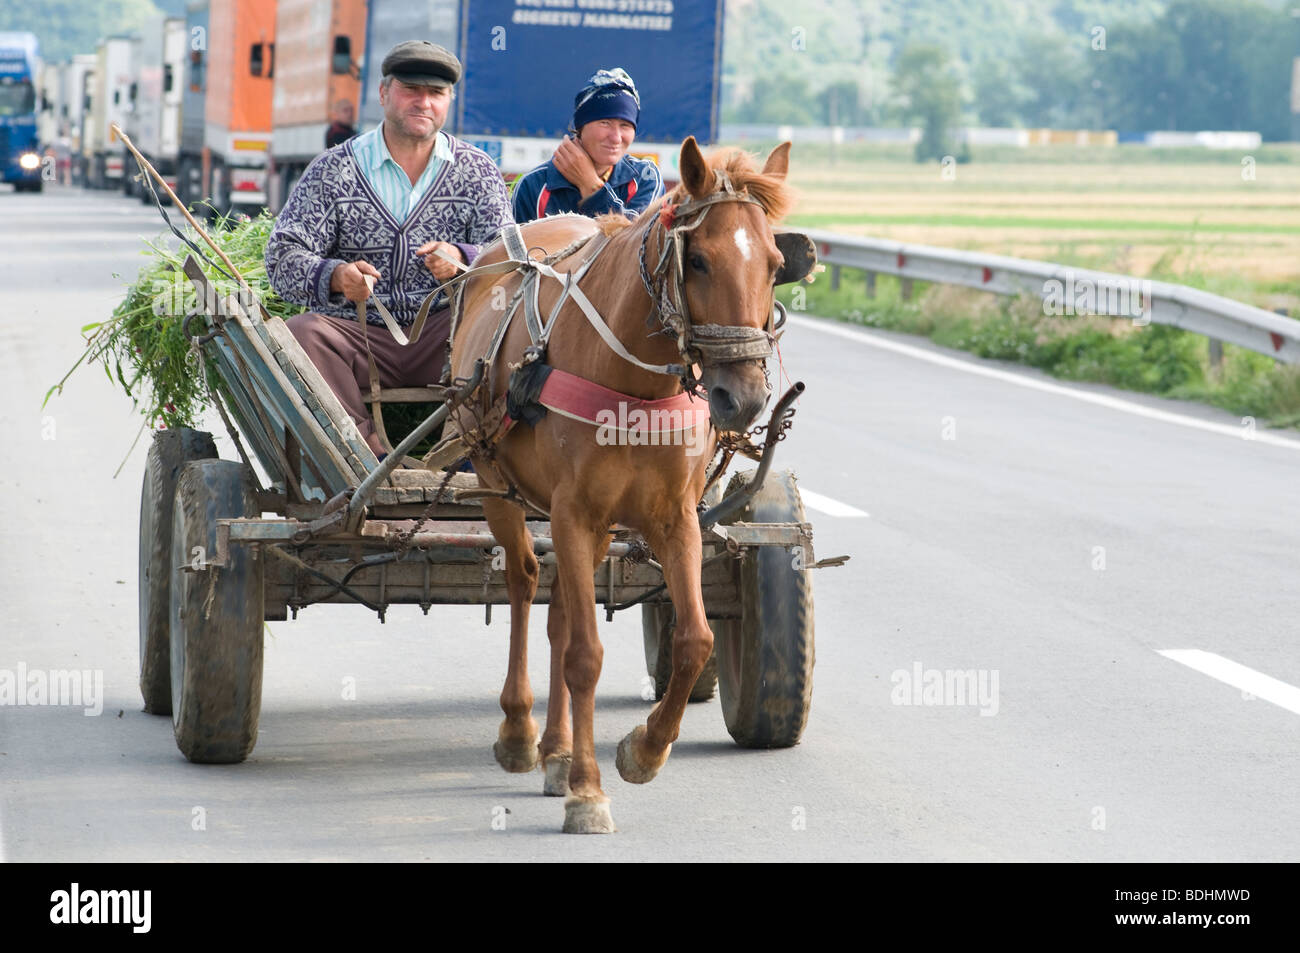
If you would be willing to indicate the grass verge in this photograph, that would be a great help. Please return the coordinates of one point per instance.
(1151, 359)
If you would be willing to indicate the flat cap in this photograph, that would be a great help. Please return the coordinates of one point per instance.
(422, 63)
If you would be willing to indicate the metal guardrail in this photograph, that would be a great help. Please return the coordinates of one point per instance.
(1069, 290)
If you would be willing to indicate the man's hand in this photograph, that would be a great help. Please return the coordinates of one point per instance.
(439, 266)
(350, 279)
(575, 165)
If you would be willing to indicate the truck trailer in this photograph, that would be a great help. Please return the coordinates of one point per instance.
(20, 146)
(523, 64)
(154, 120)
(109, 103)
(226, 105)
(319, 44)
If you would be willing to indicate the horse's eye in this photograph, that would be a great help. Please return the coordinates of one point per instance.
(697, 262)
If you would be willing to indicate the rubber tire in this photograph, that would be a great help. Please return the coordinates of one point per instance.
(216, 657)
(168, 454)
(765, 658)
(657, 621)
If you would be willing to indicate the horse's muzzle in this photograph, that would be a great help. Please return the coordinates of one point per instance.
(736, 397)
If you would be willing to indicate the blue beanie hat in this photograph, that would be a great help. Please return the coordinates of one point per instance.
(609, 94)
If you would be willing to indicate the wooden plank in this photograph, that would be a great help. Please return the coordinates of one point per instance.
(288, 345)
(422, 477)
(243, 403)
(241, 408)
(309, 398)
(406, 395)
(280, 393)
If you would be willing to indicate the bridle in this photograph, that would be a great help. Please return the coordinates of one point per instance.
(705, 345)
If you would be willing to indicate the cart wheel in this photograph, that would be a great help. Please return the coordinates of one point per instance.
(765, 658)
(168, 454)
(216, 618)
(657, 621)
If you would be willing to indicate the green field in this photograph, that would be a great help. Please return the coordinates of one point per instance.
(1177, 215)
(1197, 221)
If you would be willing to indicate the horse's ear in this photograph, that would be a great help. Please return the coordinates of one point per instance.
(778, 162)
(800, 256)
(695, 171)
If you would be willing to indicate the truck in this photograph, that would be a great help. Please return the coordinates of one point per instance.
(50, 104)
(319, 44)
(523, 64)
(232, 65)
(192, 163)
(20, 147)
(79, 86)
(109, 102)
(154, 119)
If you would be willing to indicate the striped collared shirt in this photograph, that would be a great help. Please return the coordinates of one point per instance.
(388, 179)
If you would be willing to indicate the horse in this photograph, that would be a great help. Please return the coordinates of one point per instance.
(706, 250)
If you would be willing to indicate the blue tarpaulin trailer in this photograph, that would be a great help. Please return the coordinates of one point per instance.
(524, 62)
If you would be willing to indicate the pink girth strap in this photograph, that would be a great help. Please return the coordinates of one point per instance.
(581, 399)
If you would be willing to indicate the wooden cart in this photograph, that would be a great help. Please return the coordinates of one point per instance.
(215, 563)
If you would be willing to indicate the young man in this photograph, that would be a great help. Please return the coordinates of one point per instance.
(370, 217)
(591, 172)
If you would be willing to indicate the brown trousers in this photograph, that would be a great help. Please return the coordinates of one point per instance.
(337, 349)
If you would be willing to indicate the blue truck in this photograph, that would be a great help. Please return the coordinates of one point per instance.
(20, 153)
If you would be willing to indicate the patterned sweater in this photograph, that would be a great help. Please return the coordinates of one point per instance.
(334, 216)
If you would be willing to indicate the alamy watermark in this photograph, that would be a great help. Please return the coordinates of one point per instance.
(128, 907)
(1116, 296)
(39, 687)
(946, 687)
(639, 427)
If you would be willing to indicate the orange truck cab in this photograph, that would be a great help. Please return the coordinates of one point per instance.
(317, 67)
(238, 52)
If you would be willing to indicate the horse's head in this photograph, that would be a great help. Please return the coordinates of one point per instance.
(725, 260)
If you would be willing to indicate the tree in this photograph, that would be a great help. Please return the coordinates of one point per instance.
(999, 94)
(68, 27)
(929, 93)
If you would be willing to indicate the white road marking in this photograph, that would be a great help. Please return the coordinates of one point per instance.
(1101, 400)
(1238, 676)
(824, 504)
(742, 241)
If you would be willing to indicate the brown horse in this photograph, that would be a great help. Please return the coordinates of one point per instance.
(727, 263)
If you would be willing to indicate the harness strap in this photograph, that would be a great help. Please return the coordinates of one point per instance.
(580, 399)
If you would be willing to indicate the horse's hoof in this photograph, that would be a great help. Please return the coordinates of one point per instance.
(557, 775)
(588, 815)
(631, 765)
(518, 756)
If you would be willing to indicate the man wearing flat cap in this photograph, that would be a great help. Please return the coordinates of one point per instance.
(374, 216)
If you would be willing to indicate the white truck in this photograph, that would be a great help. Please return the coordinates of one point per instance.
(154, 120)
(109, 101)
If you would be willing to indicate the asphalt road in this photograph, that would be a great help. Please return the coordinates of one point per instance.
(1053, 539)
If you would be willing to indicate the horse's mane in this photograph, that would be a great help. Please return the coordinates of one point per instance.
(771, 191)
